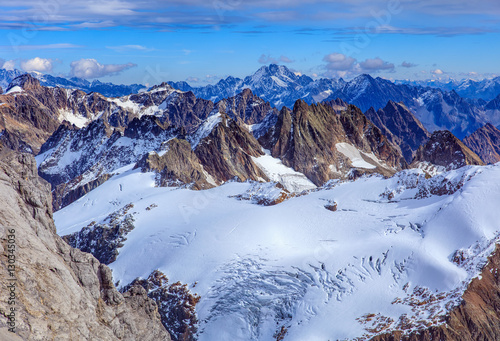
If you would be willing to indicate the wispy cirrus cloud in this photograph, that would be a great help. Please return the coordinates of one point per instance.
(179, 14)
(267, 59)
(42, 47)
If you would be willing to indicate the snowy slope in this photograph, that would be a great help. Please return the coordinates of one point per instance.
(385, 257)
(275, 170)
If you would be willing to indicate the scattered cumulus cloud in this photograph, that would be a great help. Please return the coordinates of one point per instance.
(37, 64)
(339, 62)
(408, 64)
(375, 65)
(340, 65)
(25, 47)
(192, 80)
(437, 72)
(91, 68)
(267, 59)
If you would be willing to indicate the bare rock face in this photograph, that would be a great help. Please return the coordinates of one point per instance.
(476, 319)
(306, 138)
(401, 127)
(61, 293)
(25, 120)
(485, 142)
(178, 164)
(445, 150)
(247, 108)
(176, 305)
(226, 153)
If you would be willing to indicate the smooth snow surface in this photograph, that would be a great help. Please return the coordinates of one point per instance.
(275, 170)
(353, 154)
(16, 88)
(387, 250)
(69, 116)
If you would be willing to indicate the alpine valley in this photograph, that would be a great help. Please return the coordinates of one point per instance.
(273, 207)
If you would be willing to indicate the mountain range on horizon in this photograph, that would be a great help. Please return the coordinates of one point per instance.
(435, 108)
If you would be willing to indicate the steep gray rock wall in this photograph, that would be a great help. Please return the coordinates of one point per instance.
(61, 293)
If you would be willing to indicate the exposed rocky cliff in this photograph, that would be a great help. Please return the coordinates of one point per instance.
(485, 142)
(307, 139)
(177, 165)
(76, 161)
(226, 152)
(477, 318)
(446, 151)
(61, 292)
(401, 127)
(247, 108)
(25, 119)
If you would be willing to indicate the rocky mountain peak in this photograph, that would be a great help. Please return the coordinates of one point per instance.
(226, 151)
(400, 126)
(25, 82)
(321, 143)
(445, 150)
(485, 142)
(494, 104)
(246, 107)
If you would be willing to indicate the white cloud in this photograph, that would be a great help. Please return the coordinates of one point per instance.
(339, 62)
(9, 65)
(91, 68)
(37, 64)
(340, 65)
(437, 72)
(375, 65)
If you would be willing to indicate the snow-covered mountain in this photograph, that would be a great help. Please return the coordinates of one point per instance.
(436, 108)
(486, 89)
(273, 83)
(349, 260)
(107, 89)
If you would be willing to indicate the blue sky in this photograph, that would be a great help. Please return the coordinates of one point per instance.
(125, 41)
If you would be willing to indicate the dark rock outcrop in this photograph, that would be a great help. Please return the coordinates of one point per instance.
(485, 142)
(226, 153)
(178, 164)
(175, 302)
(26, 118)
(247, 108)
(446, 150)
(477, 318)
(103, 240)
(401, 127)
(61, 292)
